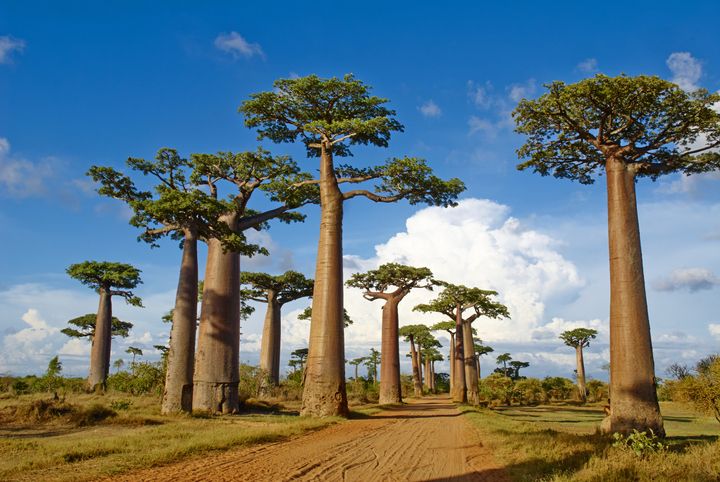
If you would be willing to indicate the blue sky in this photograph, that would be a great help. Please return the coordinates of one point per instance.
(85, 83)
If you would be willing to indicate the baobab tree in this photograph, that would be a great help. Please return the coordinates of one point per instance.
(390, 282)
(503, 360)
(134, 351)
(449, 327)
(216, 374)
(298, 358)
(179, 209)
(275, 291)
(107, 279)
(307, 315)
(85, 327)
(515, 367)
(412, 334)
(329, 116)
(429, 354)
(579, 338)
(453, 302)
(356, 362)
(480, 350)
(371, 363)
(627, 128)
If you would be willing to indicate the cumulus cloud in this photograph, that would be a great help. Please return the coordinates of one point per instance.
(479, 125)
(478, 244)
(21, 178)
(693, 279)
(480, 95)
(714, 329)
(588, 66)
(8, 45)
(686, 70)
(692, 185)
(235, 44)
(430, 109)
(517, 92)
(552, 330)
(500, 107)
(34, 344)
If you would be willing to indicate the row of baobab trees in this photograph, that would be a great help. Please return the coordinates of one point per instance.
(623, 127)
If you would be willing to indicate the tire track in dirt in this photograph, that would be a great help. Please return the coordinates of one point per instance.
(425, 440)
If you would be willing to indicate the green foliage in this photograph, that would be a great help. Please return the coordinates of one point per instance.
(529, 391)
(307, 315)
(289, 286)
(455, 297)
(639, 443)
(498, 387)
(515, 367)
(120, 404)
(649, 122)
(251, 379)
(86, 327)
(579, 337)
(703, 389)
(145, 378)
(598, 391)
(558, 388)
(371, 363)
(396, 278)
(104, 275)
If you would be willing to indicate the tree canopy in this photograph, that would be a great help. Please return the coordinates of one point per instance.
(578, 337)
(651, 124)
(104, 275)
(307, 314)
(464, 298)
(86, 327)
(287, 287)
(379, 283)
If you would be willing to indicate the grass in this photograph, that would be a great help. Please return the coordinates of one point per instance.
(136, 436)
(560, 443)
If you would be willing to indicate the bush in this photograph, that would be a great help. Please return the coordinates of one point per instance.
(558, 388)
(639, 443)
(496, 388)
(701, 390)
(251, 379)
(598, 390)
(146, 378)
(363, 390)
(529, 392)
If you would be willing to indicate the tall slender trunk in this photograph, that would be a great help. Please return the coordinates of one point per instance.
(582, 391)
(324, 393)
(390, 388)
(421, 374)
(458, 392)
(216, 365)
(452, 361)
(270, 345)
(100, 352)
(177, 395)
(471, 377)
(417, 383)
(477, 358)
(633, 399)
(432, 377)
(428, 375)
(356, 373)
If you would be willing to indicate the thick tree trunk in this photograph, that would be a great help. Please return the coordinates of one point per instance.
(421, 371)
(178, 392)
(477, 364)
(452, 361)
(417, 383)
(390, 389)
(432, 377)
(471, 377)
(324, 393)
(270, 345)
(216, 366)
(428, 375)
(633, 399)
(582, 391)
(100, 352)
(458, 391)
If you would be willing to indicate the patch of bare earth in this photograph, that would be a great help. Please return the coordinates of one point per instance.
(425, 440)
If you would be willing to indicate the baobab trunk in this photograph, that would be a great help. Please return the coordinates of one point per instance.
(633, 399)
(390, 388)
(582, 391)
(428, 375)
(477, 364)
(216, 365)
(471, 378)
(270, 347)
(452, 361)
(458, 392)
(421, 377)
(324, 393)
(100, 352)
(417, 383)
(177, 396)
(432, 377)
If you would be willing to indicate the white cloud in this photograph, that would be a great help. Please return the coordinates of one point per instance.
(76, 347)
(8, 45)
(500, 106)
(714, 329)
(33, 345)
(21, 178)
(552, 330)
(479, 125)
(686, 70)
(430, 109)
(692, 185)
(236, 45)
(517, 92)
(480, 95)
(588, 66)
(693, 279)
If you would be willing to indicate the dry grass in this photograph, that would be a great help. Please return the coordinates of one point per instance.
(58, 448)
(560, 443)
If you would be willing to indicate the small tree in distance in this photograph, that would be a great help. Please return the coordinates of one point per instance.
(579, 338)
(108, 279)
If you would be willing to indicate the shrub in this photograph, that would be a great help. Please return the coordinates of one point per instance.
(639, 443)
(598, 390)
(702, 390)
(496, 387)
(146, 378)
(558, 388)
(529, 391)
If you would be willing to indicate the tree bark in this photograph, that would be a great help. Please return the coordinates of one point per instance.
(417, 383)
(421, 372)
(471, 378)
(432, 377)
(458, 391)
(452, 361)
(428, 375)
(390, 388)
(100, 351)
(633, 399)
(477, 358)
(177, 396)
(270, 345)
(324, 393)
(216, 366)
(582, 391)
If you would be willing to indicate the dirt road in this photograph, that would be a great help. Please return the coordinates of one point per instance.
(425, 440)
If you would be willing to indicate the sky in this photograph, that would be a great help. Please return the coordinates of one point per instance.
(93, 83)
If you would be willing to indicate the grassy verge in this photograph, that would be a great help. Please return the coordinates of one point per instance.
(555, 443)
(137, 437)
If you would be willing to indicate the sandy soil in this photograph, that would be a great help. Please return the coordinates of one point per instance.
(425, 440)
